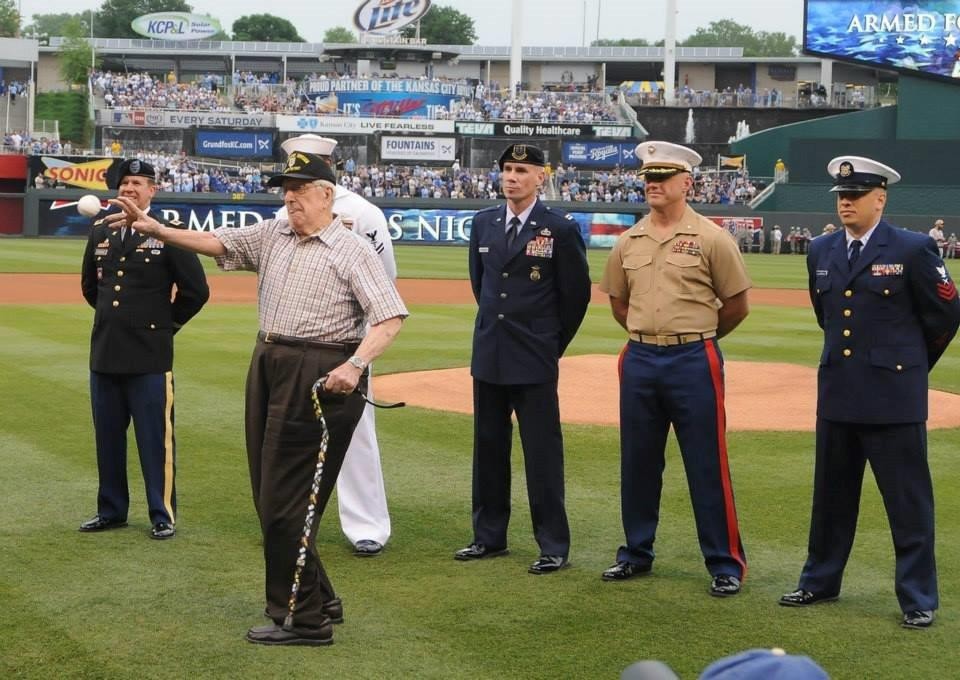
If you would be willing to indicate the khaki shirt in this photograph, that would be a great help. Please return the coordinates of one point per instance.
(674, 286)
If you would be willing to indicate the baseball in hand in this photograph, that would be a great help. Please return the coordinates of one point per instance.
(88, 205)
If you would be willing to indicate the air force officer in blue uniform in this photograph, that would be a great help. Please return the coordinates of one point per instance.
(888, 309)
(528, 269)
(130, 279)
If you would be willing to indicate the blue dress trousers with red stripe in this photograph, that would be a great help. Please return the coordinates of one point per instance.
(680, 385)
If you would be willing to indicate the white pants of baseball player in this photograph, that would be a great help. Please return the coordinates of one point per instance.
(361, 496)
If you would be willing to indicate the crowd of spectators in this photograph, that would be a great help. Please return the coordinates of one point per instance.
(13, 89)
(20, 141)
(602, 186)
(541, 107)
(269, 93)
(142, 90)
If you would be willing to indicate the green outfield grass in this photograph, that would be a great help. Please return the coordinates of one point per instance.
(118, 605)
(62, 256)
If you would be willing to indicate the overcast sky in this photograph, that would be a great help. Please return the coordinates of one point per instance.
(563, 23)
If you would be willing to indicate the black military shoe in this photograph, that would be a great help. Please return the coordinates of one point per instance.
(272, 634)
(804, 598)
(98, 523)
(478, 551)
(621, 571)
(919, 618)
(724, 585)
(547, 564)
(162, 531)
(332, 608)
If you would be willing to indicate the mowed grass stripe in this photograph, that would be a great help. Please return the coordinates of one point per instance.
(63, 256)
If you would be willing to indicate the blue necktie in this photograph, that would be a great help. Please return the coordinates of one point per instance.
(512, 231)
(854, 252)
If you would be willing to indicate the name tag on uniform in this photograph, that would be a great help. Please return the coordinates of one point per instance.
(540, 246)
(823, 272)
(484, 249)
(100, 251)
(886, 269)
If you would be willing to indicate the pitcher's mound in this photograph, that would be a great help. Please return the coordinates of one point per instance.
(759, 396)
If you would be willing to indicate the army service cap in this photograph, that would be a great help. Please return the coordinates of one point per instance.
(522, 153)
(305, 166)
(855, 173)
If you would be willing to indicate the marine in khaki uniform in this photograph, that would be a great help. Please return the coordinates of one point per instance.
(677, 284)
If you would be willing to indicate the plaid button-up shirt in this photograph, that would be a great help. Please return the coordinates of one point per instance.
(326, 287)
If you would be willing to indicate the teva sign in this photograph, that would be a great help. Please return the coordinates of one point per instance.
(176, 26)
(388, 16)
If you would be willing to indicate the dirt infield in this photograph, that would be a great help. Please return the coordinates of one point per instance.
(588, 391)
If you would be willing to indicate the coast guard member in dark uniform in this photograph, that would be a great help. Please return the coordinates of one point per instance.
(888, 309)
(529, 273)
(129, 280)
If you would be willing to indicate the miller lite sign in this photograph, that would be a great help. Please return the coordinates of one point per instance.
(388, 16)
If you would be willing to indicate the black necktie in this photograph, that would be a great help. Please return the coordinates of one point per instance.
(854, 252)
(512, 230)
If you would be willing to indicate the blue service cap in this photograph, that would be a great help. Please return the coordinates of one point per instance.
(764, 664)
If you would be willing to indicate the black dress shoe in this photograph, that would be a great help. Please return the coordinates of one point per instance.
(547, 564)
(477, 551)
(98, 523)
(724, 585)
(367, 548)
(621, 571)
(162, 531)
(273, 634)
(919, 618)
(804, 598)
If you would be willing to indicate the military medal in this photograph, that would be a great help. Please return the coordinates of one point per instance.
(535, 273)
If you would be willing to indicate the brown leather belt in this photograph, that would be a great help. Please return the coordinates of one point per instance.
(670, 340)
(275, 339)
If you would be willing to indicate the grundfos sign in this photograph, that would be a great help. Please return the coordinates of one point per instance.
(176, 26)
(388, 16)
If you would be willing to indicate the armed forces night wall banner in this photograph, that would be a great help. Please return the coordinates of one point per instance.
(919, 37)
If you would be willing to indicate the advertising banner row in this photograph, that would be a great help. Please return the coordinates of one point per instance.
(407, 225)
(369, 117)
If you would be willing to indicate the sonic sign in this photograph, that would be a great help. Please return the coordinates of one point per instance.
(388, 16)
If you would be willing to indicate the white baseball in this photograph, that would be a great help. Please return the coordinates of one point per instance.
(88, 205)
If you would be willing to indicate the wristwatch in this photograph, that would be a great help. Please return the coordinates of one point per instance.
(357, 361)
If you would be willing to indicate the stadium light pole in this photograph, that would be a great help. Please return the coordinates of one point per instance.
(670, 53)
(93, 50)
(599, 6)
